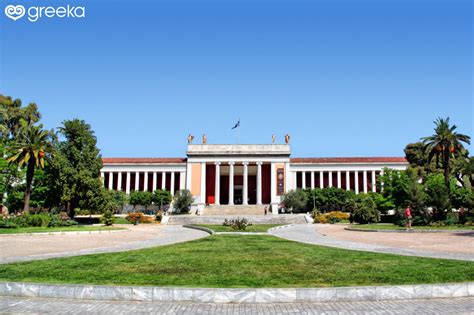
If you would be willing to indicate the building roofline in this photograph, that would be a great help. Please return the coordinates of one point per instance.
(329, 160)
(296, 160)
(143, 160)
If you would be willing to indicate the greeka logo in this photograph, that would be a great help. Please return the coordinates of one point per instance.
(16, 12)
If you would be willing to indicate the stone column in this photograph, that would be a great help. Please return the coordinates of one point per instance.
(172, 183)
(338, 179)
(287, 177)
(348, 180)
(102, 178)
(111, 180)
(163, 180)
(356, 182)
(245, 191)
(145, 182)
(330, 178)
(137, 180)
(119, 181)
(127, 184)
(365, 181)
(203, 183)
(218, 184)
(259, 183)
(182, 180)
(154, 181)
(321, 179)
(295, 181)
(188, 176)
(273, 185)
(381, 181)
(303, 180)
(373, 182)
(312, 180)
(231, 183)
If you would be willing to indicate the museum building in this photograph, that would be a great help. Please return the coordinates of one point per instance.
(244, 174)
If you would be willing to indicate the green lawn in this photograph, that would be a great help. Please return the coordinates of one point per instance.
(397, 227)
(252, 228)
(238, 261)
(57, 229)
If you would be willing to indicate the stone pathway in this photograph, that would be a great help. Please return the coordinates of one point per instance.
(460, 247)
(19, 247)
(16, 305)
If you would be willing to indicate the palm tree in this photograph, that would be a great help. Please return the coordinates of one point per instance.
(444, 144)
(31, 149)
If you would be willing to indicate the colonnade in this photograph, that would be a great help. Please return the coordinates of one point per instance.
(339, 183)
(245, 189)
(111, 175)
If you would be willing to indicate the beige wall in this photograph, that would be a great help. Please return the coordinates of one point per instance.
(196, 179)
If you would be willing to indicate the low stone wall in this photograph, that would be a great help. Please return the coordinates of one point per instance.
(270, 295)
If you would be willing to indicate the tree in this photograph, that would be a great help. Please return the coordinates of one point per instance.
(416, 199)
(161, 197)
(438, 194)
(295, 200)
(75, 169)
(119, 199)
(365, 210)
(13, 118)
(444, 144)
(143, 198)
(32, 148)
(182, 201)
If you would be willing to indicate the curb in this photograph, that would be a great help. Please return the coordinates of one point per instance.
(200, 228)
(66, 232)
(280, 227)
(267, 295)
(411, 231)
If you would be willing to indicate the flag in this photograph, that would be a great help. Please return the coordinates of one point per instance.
(237, 124)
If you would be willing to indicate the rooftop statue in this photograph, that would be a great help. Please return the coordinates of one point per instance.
(190, 139)
(287, 138)
(273, 138)
(204, 139)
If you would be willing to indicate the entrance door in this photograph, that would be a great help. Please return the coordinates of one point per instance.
(238, 195)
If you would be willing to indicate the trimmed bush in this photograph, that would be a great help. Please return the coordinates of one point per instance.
(365, 210)
(238, 224)
(330, 217)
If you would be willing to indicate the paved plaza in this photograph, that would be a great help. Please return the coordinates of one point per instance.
(16, 305)
(23, 247)
(434, 245)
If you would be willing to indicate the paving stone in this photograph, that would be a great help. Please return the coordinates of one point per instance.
(307, 233)
(61, 306)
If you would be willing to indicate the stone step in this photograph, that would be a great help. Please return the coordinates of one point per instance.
(255, 219)
(235, 210)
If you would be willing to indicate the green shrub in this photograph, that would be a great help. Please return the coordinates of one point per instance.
(452, 219)
(238, 224)
(8, 223)
(107, 218)
(365, 210)
(182, 201)
(121, 220)
(40, 219)
(295, 200)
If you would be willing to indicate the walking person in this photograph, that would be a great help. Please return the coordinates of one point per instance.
(408, 218)
(265, 210)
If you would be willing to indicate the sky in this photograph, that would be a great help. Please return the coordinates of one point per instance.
(342, 77)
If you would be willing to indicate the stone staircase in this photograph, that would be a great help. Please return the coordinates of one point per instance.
(235, 210)
(219, 219)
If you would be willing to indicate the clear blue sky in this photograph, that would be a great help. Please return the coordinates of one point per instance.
(343, 78)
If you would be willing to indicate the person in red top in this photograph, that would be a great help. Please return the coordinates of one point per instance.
(408, 218)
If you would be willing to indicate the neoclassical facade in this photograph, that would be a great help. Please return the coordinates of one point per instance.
(244, 174)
